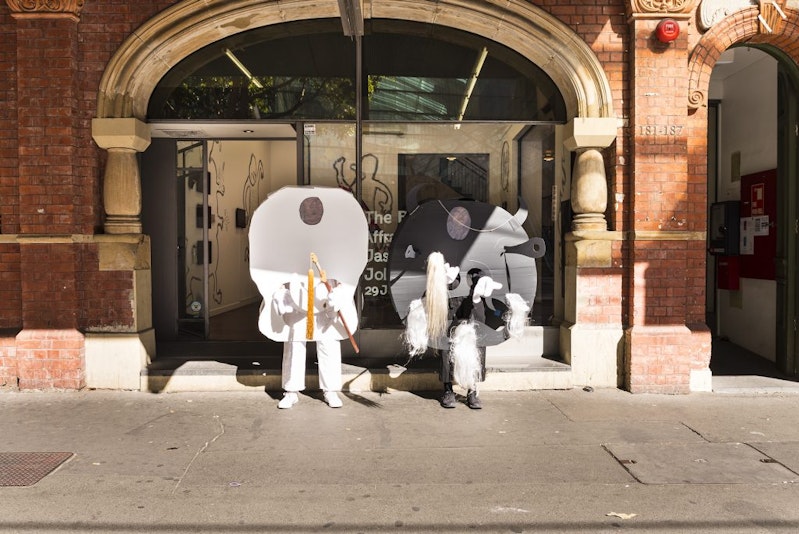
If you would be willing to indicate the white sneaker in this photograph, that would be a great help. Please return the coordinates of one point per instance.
(290, 398)
(332, 399)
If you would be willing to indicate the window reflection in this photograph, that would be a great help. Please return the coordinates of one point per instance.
(406, 164)
(306, 70)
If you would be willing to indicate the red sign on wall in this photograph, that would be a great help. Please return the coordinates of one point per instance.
(761, 211)
(758, 199)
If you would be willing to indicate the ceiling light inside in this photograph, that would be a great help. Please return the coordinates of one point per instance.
(243, 69)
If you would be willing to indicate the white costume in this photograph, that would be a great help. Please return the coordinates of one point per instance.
(290, 226)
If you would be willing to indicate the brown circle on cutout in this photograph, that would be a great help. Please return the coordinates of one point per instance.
(458, 223)
(311, 210)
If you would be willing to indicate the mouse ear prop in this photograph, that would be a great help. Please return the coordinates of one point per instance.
(535, 248)
(521, 213)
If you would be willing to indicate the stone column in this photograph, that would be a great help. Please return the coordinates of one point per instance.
(592, 333)
(589, 190)
(667, 345)
(122, 138)
(116, 355)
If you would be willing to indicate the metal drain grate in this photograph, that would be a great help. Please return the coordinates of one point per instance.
(28, 468)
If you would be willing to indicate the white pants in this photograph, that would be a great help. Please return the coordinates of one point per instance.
(328, 356)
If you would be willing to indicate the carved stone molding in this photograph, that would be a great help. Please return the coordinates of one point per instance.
(712, 11)
(661, 8)
(45, 8)
(697, 98)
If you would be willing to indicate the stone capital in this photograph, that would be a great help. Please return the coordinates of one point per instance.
(45, 8)
(128, 133)
(590, 132)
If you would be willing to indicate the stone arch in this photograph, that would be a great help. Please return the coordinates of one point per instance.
(740, 27)
(158, 45)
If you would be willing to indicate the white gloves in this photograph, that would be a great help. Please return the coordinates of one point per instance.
(283, 302)
(452, 272)
(338, 298)
(484, 288)
(287, 299)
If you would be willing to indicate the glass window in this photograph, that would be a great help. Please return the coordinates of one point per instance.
(306, 71)
(287, 71)
(406, 164)
(446, 115)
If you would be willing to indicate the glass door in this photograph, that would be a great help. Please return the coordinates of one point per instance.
(787, 357)
(194, 248)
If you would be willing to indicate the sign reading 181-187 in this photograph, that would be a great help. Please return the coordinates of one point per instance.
(660, 130)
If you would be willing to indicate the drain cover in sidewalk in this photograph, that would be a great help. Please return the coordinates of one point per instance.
(699, 463)
(28, 468)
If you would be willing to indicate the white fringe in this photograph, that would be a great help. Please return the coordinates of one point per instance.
(465, 356)
(516, 316)
(436, 296)
(415, 336)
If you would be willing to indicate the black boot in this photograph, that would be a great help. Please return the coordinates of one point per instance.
(472, 400)
(448, 398)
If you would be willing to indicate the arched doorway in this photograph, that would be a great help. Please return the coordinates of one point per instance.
(752, 204)
(443, 114)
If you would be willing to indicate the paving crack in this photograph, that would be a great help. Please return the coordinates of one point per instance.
(202, 449)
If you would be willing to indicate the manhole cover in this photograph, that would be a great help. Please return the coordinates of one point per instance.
(28, 468)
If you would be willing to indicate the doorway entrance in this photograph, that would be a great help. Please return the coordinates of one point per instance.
(752, 292)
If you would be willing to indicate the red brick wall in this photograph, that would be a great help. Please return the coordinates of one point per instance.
(49, 298)
(661, 271)
(47, 69)
(659, 131)
(664, 358)
(51, 359)
(658, 343)
(8, 124)
(697, 216)
(8, 360)
(105, 296)
(10, 286)
(602, 303)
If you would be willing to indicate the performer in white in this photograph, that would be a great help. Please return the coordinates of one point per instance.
(299, 236)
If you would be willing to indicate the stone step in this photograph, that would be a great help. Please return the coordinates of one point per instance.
(515, 365)
(181, 374)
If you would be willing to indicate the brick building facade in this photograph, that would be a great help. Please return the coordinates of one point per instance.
(75, 263)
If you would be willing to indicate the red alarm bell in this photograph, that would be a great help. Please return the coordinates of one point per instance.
(667, 30)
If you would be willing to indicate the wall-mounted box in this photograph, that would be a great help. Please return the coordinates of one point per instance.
(724, 231)
(241, 218)
(199, 251)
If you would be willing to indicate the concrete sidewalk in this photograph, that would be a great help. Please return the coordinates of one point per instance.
(536, 461)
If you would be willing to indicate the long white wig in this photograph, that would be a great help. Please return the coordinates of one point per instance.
(436, 299)
(415, 336)
(516, 316)
(463, 351)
